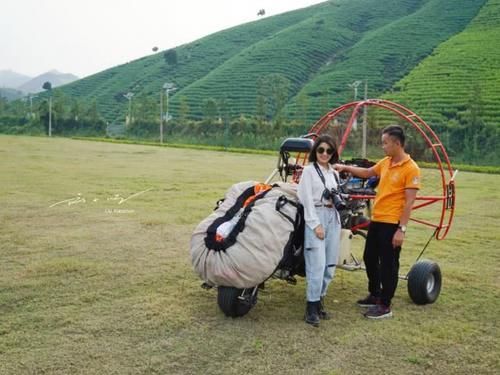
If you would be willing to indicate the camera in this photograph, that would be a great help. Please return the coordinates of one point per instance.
(338, 201)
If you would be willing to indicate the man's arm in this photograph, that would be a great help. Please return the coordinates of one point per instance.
(410, 196)
(355, 171)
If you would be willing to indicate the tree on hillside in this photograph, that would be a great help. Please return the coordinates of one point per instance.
(75, 110)
(183, 109)
(145, 117)
(479, 139)
(224, 108)
(210, 109)
(272, 96)
(91, 113)
(324, 105)
(261, 105)
(170, 56)
(279, 86)
(3, 104)
(302, 107)
(59, 112)
(48, 87)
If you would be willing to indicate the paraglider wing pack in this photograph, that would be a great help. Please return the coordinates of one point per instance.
(256, 230)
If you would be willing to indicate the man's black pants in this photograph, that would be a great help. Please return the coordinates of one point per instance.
(382, 261)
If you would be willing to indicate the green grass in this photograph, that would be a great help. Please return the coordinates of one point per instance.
(194, 146)
(101, 288)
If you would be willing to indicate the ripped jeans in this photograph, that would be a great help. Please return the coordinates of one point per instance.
(321, 256)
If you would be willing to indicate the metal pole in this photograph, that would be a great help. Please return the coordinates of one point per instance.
(50, 116)
(168, 86)
(365, 113)
(226, 132)
(161, 116)
(130, 110)
(31, 106)
(166, 120)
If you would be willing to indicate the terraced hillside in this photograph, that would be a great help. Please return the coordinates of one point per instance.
(145, 77)
(296, 52)
(462, 71)
(317, 51)
(386, 54)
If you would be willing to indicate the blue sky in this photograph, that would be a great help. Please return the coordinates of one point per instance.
(86, 36)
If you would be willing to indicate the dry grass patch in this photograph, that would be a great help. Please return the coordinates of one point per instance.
(98, 287)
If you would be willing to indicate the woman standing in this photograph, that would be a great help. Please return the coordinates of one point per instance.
(322, 229)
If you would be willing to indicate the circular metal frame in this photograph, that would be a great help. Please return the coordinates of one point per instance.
(447, 175)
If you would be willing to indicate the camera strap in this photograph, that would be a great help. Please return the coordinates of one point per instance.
(320, 174)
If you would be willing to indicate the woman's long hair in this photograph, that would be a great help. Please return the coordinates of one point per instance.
(328, 139)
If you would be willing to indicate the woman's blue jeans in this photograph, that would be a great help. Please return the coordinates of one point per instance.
(321, 256)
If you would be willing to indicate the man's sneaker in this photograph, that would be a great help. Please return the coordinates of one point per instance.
(378, 312)
(369, 301)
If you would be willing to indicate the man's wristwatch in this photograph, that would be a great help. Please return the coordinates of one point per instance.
(402, 228)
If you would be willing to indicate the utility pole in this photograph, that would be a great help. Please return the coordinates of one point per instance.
(168, 86)
(161, 116)
(50, 115)
(129, 96)
(31, 105)
(365, 120)
(355, 85)
(48, 86)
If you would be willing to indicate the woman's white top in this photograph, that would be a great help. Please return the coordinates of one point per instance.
(310, 191)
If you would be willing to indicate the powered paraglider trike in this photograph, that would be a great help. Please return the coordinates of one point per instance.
(357, 127)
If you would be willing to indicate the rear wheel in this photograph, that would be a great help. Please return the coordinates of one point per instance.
(424, 282)
(235, 302)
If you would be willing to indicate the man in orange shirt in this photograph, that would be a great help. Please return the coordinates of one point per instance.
(399, 182)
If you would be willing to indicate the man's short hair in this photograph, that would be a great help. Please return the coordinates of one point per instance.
(396, 132)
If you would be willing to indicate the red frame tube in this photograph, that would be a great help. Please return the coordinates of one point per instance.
(447, 183)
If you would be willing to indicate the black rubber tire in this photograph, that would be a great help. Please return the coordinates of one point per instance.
(424, 282)
(230, 303)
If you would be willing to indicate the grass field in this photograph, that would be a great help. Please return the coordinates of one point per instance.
(96, 275)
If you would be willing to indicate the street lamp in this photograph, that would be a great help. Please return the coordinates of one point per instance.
(31, 96)
(355, 85)
(129, 96)
(48, 87)
(169, 86)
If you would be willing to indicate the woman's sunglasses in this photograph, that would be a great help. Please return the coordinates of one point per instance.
(321, 150)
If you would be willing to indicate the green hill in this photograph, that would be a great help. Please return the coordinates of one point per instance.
(145, 77)
(317, 50)
(457, 88)
(438, 57)
(10, 94)
(386, 54)
(297, 52)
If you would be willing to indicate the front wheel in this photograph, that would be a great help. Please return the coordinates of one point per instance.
(424, 282)
(235, 302)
